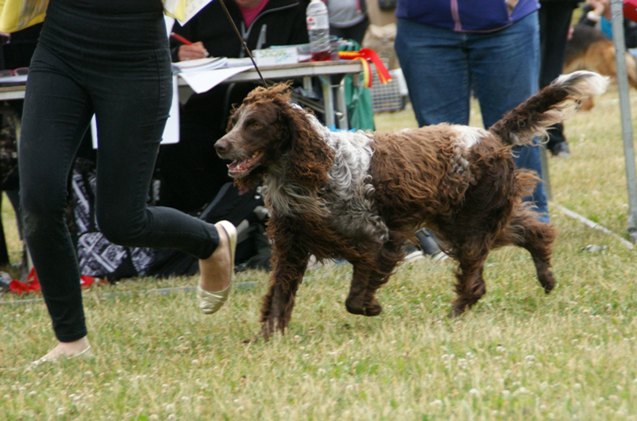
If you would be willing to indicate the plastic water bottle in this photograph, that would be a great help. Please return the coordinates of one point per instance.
(318, 30)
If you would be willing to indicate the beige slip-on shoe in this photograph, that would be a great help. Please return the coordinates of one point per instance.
(211, 301)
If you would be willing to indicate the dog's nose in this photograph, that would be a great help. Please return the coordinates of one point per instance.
(222, 146)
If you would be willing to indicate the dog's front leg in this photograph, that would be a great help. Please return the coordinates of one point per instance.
(288, 266)
(369, 275)
(360, 299)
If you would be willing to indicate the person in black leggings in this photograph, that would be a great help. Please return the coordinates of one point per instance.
(109, 58)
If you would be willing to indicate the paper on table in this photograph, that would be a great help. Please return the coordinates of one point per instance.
(201, 64)
(238, 62)
(206, 80)
(13, 79)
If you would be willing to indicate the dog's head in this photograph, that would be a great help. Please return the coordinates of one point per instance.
(266, 134)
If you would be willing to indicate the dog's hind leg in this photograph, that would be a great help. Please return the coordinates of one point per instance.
(470, 285)
(524, 230)
(287, 272)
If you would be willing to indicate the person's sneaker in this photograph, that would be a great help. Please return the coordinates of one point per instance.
(413, 253)
(561, 150)
(5, 280)
(440, 256)
(429, 246)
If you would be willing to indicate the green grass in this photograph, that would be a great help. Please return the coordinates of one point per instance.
(518, 354)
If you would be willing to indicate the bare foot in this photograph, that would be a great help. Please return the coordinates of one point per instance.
(216, 271)
(64, 350)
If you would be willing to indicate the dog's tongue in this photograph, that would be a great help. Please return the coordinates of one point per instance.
(236, 167)
(239, 167)
(243, 166)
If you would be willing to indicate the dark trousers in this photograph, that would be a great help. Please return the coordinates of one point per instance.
(555, 21)
(107, 66)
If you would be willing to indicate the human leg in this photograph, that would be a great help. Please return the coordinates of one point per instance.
(529, 157)
(216, 271)
(129, 132)
(56, 114)
(505, 67)
(555, 22)
(434, 64)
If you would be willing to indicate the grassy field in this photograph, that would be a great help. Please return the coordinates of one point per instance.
(518, 354)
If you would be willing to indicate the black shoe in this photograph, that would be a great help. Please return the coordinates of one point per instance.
(428, 245)
(412, 253)
(560, 150)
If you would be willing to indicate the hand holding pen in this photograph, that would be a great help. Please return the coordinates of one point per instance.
(189, 50)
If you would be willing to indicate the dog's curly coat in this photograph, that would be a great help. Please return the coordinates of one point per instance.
(360, 196)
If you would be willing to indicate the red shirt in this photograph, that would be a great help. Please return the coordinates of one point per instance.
(250, 14)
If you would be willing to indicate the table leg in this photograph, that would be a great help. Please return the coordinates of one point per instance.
(343, 118)
(328, 101)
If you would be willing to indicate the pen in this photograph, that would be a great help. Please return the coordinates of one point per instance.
(180, 38)
(185, 41)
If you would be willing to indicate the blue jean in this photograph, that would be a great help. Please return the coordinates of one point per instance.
(443, 68)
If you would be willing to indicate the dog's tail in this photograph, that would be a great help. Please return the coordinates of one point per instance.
(549, 106)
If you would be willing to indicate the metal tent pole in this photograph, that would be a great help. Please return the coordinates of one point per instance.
(627, 129)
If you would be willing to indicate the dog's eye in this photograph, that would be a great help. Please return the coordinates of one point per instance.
(254, 124)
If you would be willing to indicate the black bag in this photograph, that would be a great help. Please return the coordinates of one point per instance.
(246, 212)
(9, 122)
(387, 4)
(97, 256)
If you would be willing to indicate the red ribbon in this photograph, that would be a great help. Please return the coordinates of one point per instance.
(367, 55)
(33, 283)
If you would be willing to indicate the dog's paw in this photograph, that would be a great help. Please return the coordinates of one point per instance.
(458, 310)
(271, 325)
(267, 329)
(373, 308)
(548, 282)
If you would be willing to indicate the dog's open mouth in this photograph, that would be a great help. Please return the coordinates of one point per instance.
(241, 168)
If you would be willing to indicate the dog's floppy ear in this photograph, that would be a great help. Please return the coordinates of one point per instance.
(309, 156)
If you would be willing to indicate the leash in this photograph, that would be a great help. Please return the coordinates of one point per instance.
(243, 42)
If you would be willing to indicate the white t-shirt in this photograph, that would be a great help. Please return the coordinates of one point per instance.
(345, 13)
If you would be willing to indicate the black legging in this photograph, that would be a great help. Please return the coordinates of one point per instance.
(118, 67)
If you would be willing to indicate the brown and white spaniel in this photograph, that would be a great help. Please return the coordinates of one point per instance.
(361, 196)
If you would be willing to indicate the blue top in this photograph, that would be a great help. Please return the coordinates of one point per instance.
(466, 15)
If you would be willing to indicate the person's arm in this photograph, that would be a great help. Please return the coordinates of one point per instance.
(594, 11)
(192, 51)
(182, 48)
